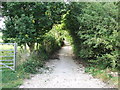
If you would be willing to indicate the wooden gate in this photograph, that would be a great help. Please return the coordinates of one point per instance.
(8, 56)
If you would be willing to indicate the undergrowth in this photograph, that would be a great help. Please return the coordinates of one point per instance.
(30, 62)
(106, 75)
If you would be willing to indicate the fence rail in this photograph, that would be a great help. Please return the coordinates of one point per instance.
(8, 56)
(7, 43)
(7, 50)
(6, 60)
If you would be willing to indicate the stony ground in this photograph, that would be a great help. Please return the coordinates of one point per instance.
(63, 73)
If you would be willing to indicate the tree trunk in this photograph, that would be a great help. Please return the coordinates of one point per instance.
(31, 46)
(37, 46)
(25, 46)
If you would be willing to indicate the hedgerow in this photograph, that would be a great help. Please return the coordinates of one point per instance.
(94, 28)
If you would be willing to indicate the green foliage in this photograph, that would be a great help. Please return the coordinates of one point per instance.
(11, 78)
(16, 78)
(94, 29)
(27, 23)
(30, 23)
(33, 64)
(1, 37)
(48, 46)
(49, 43)
(92, 26)
(52, 41)
(42, 52)
(104, 75)
(98, 73)
(56, 10)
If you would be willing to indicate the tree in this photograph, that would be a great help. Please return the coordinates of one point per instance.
(27, 23)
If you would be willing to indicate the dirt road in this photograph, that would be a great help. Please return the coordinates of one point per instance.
(64, 73)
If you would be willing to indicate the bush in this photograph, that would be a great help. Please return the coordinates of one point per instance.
(33, 64)
(52, 42)
(47, 47)
(95, 32)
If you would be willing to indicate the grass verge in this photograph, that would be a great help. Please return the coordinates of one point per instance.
(108, 75)
(12, 79)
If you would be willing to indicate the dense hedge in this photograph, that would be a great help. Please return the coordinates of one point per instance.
(45, 50)
(28, 22)
(94, 28)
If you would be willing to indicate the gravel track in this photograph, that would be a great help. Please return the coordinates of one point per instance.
(63, 73)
